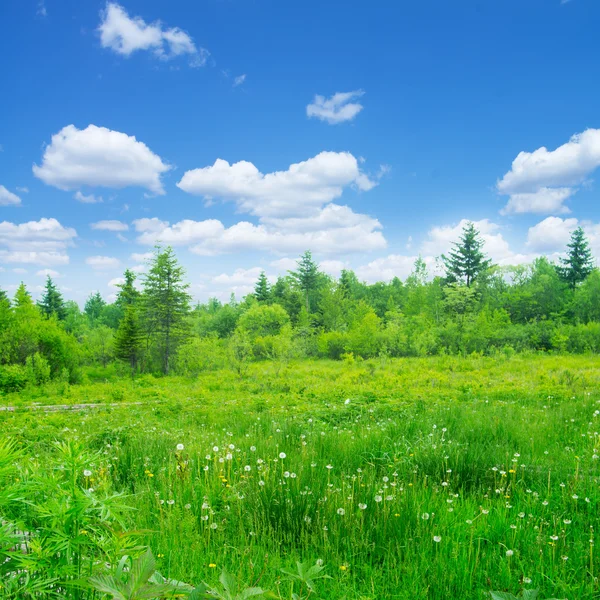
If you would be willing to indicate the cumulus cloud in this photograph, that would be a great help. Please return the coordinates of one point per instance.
(337, 229)
(8, 198)
(388, 267)
(110, 225)
(540, 181)
(48, 273)
(337, 109)
(141, 257)
(87, 199)
(102, 262)
(97, 156)
(124, 35)
(42, 242)
(554, 233)
(303, 187)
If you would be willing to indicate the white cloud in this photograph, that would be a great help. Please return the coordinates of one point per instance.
(48, 273)
(23, 190)
(335, 230)
(117, 281)
(543, 201)
(333, 267)
(141, 257)
(285, 264)
(96, 156)
(124, 35)
(110, 225)
(336, 109)
(239, 80)
(535, 175)
(19, 271)
(553, 234)
(102, 262)
(138, 268)
(8, 198)
(388, 267)
(304, 186)
(440, 239)
(87, 199)
(240, 277)
(40, 242)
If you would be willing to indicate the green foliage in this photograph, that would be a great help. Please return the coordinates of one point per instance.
(52, 303)
(264, 320)
(128, 339)
(579, 262)
(165, 304)
(466, 262)
(262, 291)
(94, 306)
(13, 378)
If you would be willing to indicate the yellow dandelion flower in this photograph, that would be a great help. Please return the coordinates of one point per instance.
(212, 566)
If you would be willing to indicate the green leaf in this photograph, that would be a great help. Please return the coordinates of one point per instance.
(502, 596)
(530, 594)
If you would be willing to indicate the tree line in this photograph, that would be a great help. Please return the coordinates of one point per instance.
(475, 306)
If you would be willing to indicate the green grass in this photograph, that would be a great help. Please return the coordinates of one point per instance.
(489, 455)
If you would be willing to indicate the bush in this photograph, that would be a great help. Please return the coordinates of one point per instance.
(38, 369)
(13, 378)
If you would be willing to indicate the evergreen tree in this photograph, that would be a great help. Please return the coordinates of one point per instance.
(128, 294)
(306, 276)
(52, 303)
(3, 295)
(262, 289)
(166, 303)
(94, 306)
(467, 260)
(579, 262)
(128, 339)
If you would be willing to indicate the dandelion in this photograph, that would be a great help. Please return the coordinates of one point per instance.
(87, 473)
(437, 539)
(425, 516)
(252, 448)
(261, 483)
(215, 448)
(378, 498)
(347, 401)
(343, 568)
(188, 506)
(329, 467)
(213, 525)
(282, 455)
(212, 566)
(341, 512)
(180, 447)
(567, 521)
(509, 553)
(362, 506)
(527, 580)
(170, 502)
(247, 468)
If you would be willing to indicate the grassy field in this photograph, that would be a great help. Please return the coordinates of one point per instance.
(435, 478)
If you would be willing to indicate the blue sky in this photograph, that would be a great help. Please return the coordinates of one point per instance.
(244, 132)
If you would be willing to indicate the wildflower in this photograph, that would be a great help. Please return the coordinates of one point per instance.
(329, 467)
(526, 579)
(565, 558)
(180, 447)
(343, 568)
(87, 473)
(188, 506)
(170, 502)
(231, 447)
(247, 468)
(437, 539)
(485, 511)
(362, 506)
(347, 401)
(261, 483)
(319, 562)
(215, 448)
(378, 498)
(213, 525)
(509, 553)
(252, 448)
(282, 455)
(567, 521)
(341, 512)
(212, 566)
(554, 537)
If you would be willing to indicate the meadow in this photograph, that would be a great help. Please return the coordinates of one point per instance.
(435, 478)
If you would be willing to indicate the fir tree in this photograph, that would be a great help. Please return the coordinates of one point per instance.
(307, 276)
(467, 260)
(94, 306)
(128, 295)
(579, 262)
(128, 339)
(52, 303)
(166, 303)
(262, 289)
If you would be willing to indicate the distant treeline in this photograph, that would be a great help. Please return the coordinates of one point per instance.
(476, 307)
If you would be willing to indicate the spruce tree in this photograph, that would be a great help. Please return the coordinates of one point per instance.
(306, 276)
(128, 339)
(166, 303)
(579, 262)
(52, 303)
(467, 260)
(94, 306)
(3, 295)
(262, 289)
(128, 295)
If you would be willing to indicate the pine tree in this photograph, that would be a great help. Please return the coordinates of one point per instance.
(307, 276)
(3, 295)
(166, 303)
(579, 262)
(262, 289)
(94, 306)
(128, 339)
(467, 260)
(52, 303)
(128, 294)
